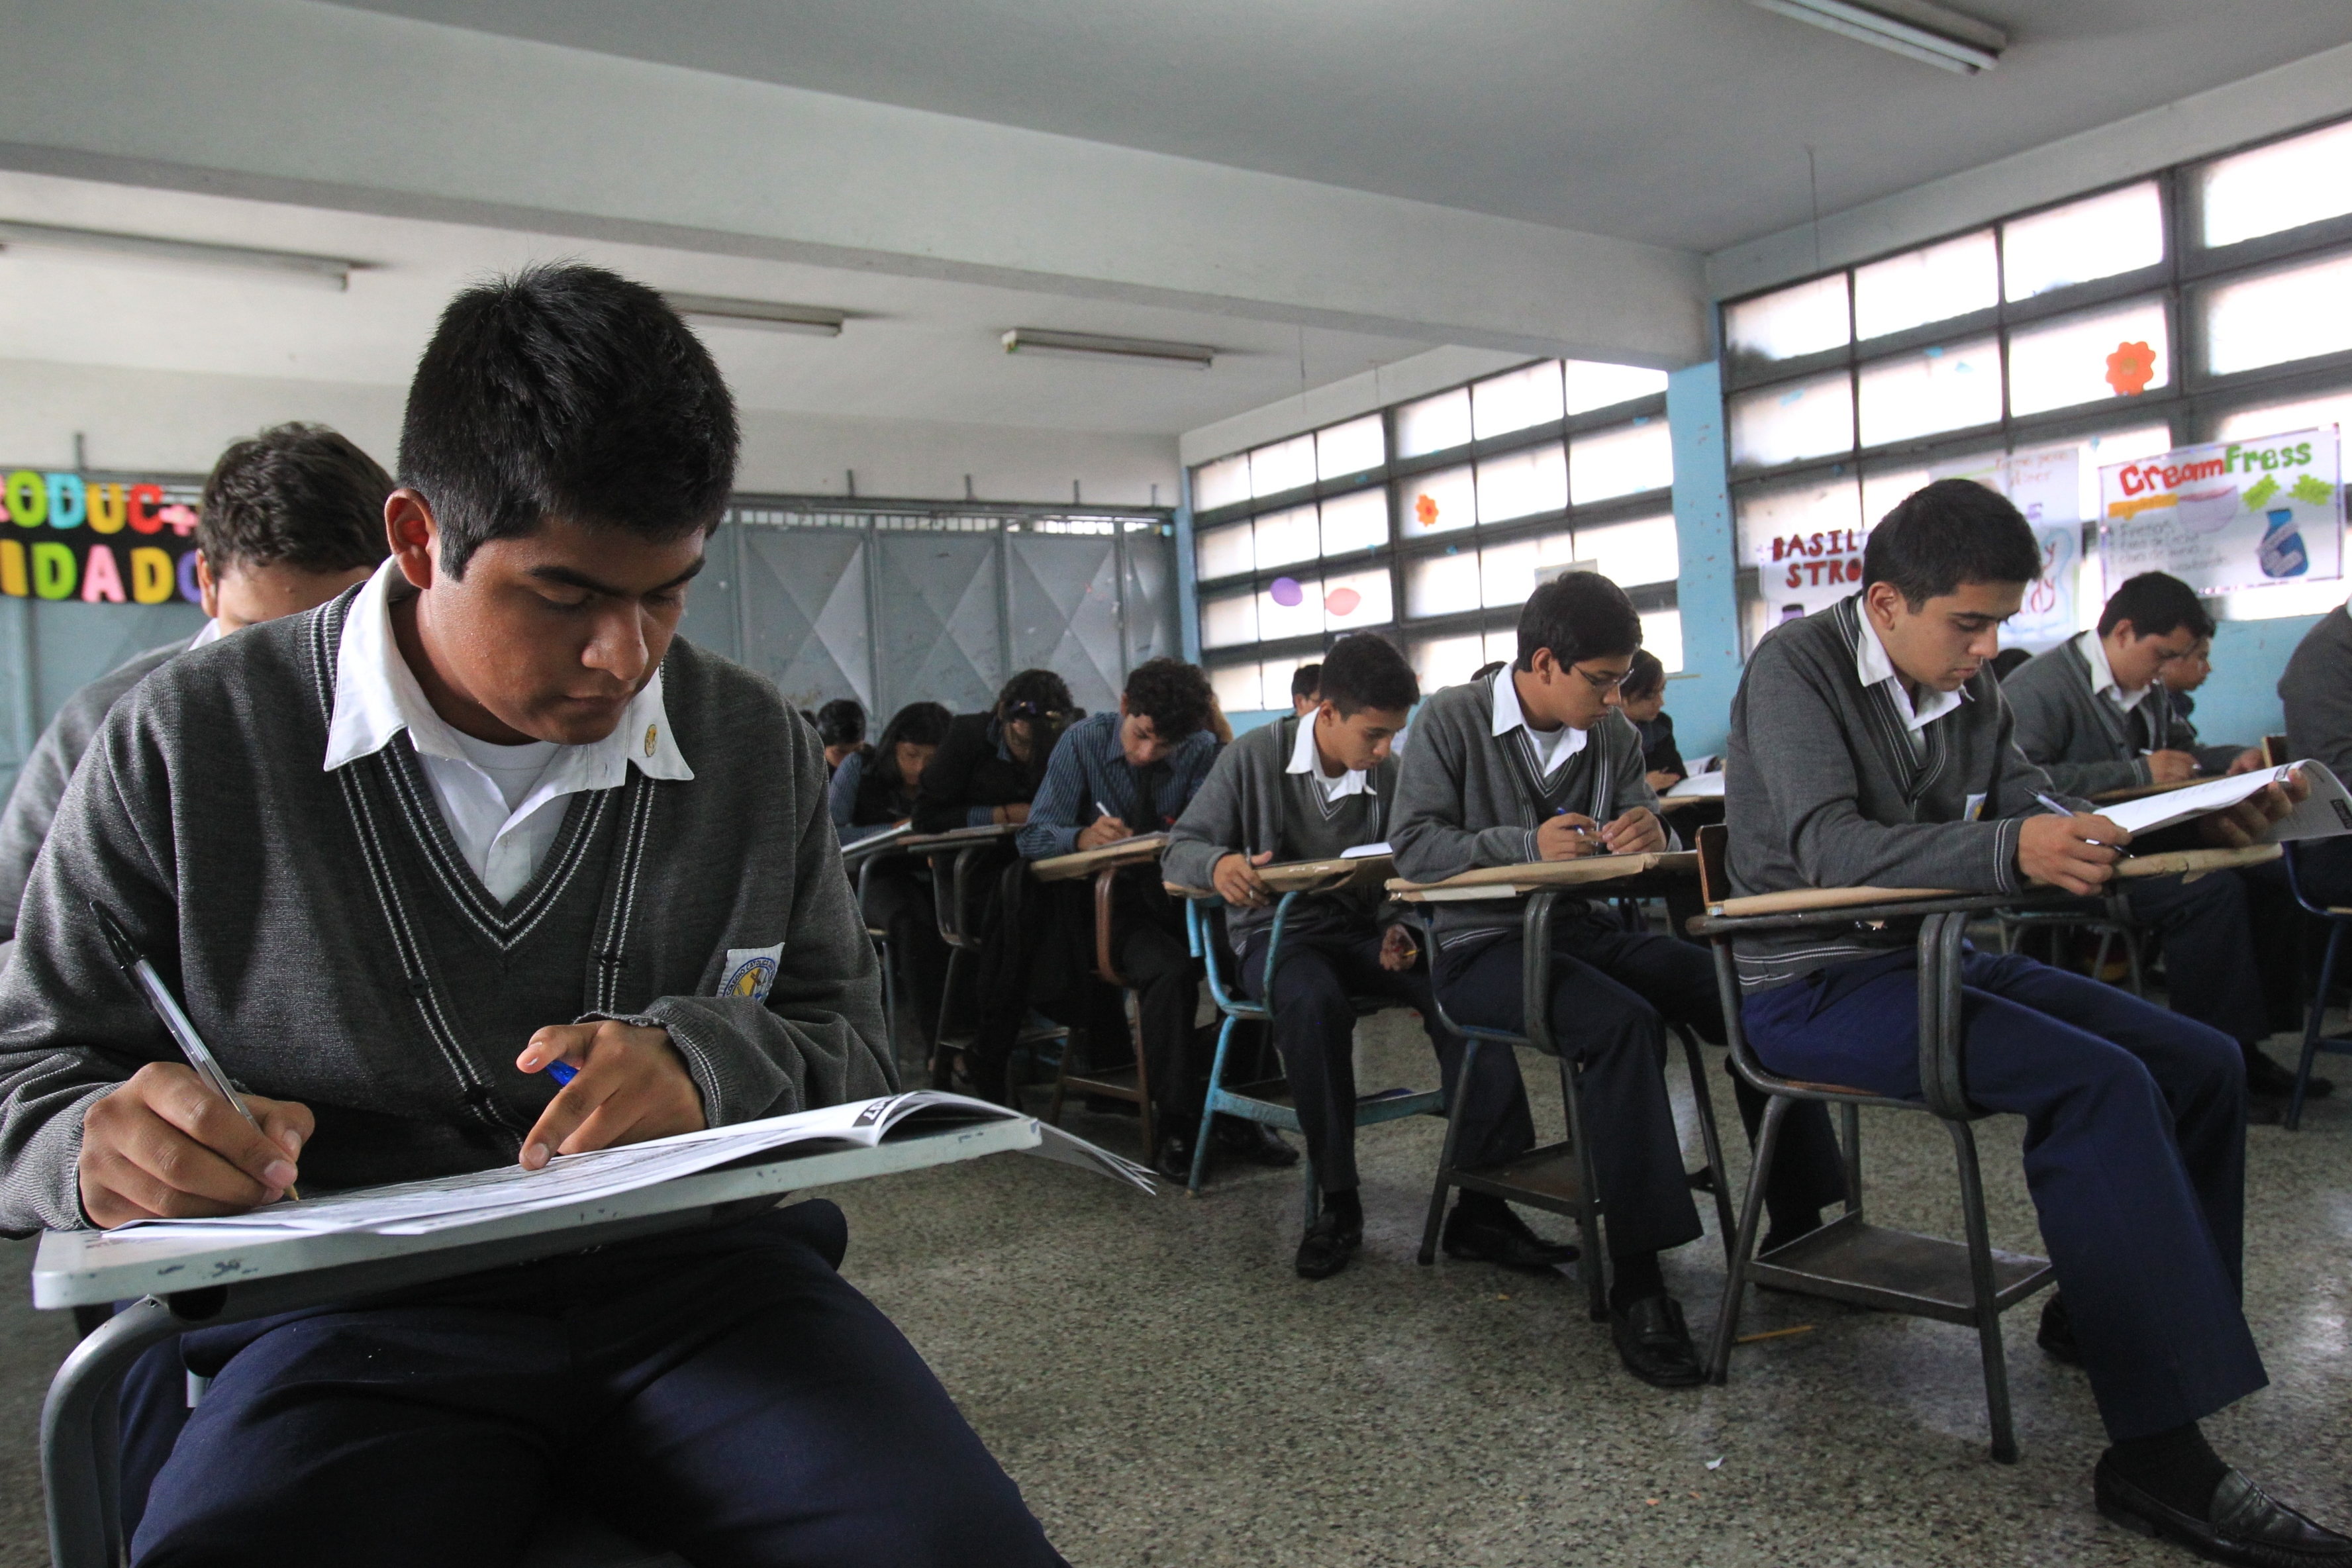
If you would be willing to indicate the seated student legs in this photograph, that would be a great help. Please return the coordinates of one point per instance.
(898, 903)
(2216, 972)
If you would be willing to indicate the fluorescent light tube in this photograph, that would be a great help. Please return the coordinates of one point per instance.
(1090, 345)
(814, 320)
(1916, 28)
(328, 271)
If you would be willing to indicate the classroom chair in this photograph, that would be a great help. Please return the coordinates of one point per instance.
(861, 865)
(1849, 1260)
(1268, 1101)
(1130, 1081)
(959, 878)
(2116, 926)
(2339, 921)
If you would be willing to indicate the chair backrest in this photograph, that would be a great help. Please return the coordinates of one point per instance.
(1714, 881)
(2274, 751)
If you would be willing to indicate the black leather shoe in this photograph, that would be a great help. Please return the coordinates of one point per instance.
(2056, 1336)
(1655, 1345)
(1328, 1244)
(1174, 1158)
(1252, 1142)
(1505, 1239)
(2241, 1524)
(2267, 1078)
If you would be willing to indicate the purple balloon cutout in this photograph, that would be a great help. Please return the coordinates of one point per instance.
(1286, 592)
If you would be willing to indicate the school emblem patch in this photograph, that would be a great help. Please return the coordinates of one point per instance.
(751, 972)
(653, 732)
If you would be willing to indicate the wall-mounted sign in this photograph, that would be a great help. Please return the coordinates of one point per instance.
(2229, 515)
(125, 540)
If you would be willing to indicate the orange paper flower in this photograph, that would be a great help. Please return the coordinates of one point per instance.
(2130, 368)
(1425, 509)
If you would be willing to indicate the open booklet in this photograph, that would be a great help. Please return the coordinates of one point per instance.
(2328, 812)
(416, 1208)
(1698, 786)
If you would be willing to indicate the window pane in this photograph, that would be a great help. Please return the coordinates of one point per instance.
(1238, 687)
(1221, 483)
(1439, 504)
(1507, 572)
(1356, 599)
(1223, 552)
(1514, 401)
(1523, 484)
(1802, 540)
(1433, 424)
(2277, 187)
(1790, 323)
(1620, 462)
(1591, 384)
(2286, 599)
(1286, 536)
(1938, 388)
(1442, 585)
(1933, 284)
(2292, 314)
(1781, 424)
(1351, 448)
(1645, 550)
(1273, 677)
(1285, 466)
(1440, 662)
(1228, 622)
(2088, 358)
(2276, 418)
(1289, 608)
(1358, 521)
(2119, 232)
(1661, 634)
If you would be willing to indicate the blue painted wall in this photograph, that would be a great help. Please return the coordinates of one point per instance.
(1708, 592)
(2239, 702)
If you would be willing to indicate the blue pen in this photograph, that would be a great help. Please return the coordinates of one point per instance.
(2051, 803)
(563, 1072)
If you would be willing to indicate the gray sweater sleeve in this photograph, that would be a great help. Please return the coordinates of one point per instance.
(1215, 822)
(1428, 836)
(2047, 733)
(2315, 690)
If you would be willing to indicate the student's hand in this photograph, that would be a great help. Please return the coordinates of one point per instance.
(2245, 762)
(2076, 853)
(1637, 832)
(1567, 836)
(1103, 830)
(2170, 767)
(2243, 823)
(1398, 950)
(1010, 815)
(1237, 881)
(1662, 781)
(633, 1086)
(165, 1146)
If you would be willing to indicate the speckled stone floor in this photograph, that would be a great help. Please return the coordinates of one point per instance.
(1166, 1390)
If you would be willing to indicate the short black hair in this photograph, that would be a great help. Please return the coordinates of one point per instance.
(1577, 615)
(2009, 661)
(841, 723)
(1307, 681)
(1947, 533)
(1646, 674)
(295, 495)
(1170, 693)
(1033, 694)
(1365, 670)
(2156, 605)
(916, 724)
(566, 390)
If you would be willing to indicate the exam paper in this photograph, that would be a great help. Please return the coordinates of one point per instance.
(2328, 812)
(1698, 786)
(1363, 851)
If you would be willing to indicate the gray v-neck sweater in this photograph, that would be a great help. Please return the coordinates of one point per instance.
(332, 945)
(2084, 742)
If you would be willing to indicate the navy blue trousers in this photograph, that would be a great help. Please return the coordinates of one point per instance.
(2134, 1153)
(2207, 939)
(724, 1394)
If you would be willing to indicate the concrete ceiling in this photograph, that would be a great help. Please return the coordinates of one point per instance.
(1677, 122)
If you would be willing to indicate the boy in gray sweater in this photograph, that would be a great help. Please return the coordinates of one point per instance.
(1539, 763)
(1871, 746)
(398, 855)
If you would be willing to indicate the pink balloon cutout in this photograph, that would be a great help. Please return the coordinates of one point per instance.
(1342, 601)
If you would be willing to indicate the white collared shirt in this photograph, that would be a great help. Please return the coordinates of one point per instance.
(503, 805)
(2103, 675)
(1873, 668)
(211, 633)
(1304, 759)
(1553, 747)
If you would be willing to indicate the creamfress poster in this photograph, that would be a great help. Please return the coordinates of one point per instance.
(2229, 516)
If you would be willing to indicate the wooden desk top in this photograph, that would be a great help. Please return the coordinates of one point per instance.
(2188, 863)
(1132, 851)
(1308, 876)
(958, 839)
(1590, 871)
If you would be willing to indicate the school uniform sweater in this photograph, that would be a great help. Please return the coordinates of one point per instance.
(971, 773)
(331, 944)
(2315, 689)
(2081, 739)
(1251, 804)
(1468, 797)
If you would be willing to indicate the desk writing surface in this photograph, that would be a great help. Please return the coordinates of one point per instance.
(1589, 870)
(2191, 863)
(1132, 851)
(958, 839)
(1308, 876)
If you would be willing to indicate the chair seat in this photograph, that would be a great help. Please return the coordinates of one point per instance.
(1849, 1259)
(1119, 1083)
(1546, 1178)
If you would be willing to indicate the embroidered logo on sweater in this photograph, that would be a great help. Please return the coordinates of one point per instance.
(751, 972)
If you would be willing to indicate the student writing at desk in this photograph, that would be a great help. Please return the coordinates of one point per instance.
(1644, 698)
(1539, 763)
(401, 853)
(874, 790)
(1871, 747)
(1309, 788)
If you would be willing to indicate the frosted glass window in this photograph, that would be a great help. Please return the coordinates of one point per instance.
(1939, 388)
(1811, 418)
(1285, 466)
(1514, 401)
(2283, 185)
(1284, 537)
(1790, 323)
(1433, 424)
(1289, 608)
(1620, 462)
(1644, 550)
(1223, 552)
(1438, 503)
(1354, 599)
(1815, 506)
(1523, 484)
(1932, 284)
(1358, 521)
(1441, 662)
(1240, 687)
(2278, 418)
(1228, 622)
(2103, 236)
(1507, 573)
(1274, 684)
(1591, 384)
(1221, 483)
(1351, 448)
(2286, 599)
(1442, 585)
(1884, 489)
(2291, 314)
(2086, 358)
(1661, 634)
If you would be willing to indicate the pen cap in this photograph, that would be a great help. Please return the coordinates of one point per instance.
(116, 939)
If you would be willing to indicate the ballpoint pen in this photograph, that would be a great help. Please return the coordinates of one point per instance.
(175, 1021)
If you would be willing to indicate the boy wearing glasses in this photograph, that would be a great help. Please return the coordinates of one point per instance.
(1539, 763)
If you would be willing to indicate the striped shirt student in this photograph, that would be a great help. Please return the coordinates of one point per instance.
(1090, 776)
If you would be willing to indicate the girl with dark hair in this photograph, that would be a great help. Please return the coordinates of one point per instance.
(1644, 698)
(875, 788)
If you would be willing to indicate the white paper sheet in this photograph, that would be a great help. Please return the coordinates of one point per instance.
(1363, 851)
(1698, 786)
(2327, 813)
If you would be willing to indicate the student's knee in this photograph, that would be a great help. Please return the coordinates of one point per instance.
(1600, 1024)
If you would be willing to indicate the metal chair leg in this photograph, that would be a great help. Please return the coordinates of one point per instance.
(1208, 1111)
(1588, 1211)
(2313, 1027)
(1446, 1151)
(1144, 1110)
(1987, 1308)
(78, 1464)
(1751, 1216)
(1704, 1104)
(1850, 1154)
